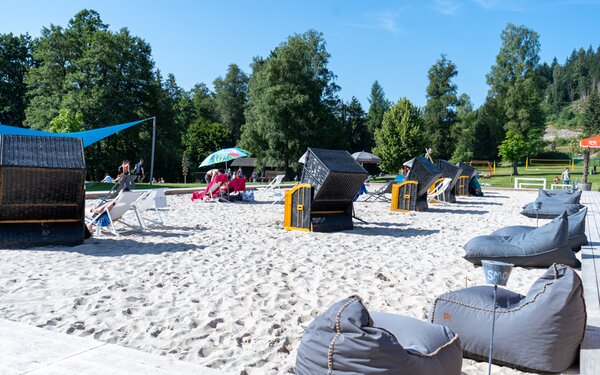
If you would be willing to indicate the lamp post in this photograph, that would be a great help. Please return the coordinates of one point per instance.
(496, 273)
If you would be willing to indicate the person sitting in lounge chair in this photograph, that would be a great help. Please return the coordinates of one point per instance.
(219, 182)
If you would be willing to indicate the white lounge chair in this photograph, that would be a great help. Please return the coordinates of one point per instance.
(438, 194)
(274, 187)
(146, 203)
(274, 184)
(115, 210)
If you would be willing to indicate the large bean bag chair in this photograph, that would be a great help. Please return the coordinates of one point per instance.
(539, 332)
(576, 239)
(550, 210)
(540, 247)
(554, 202)
(561, 196)
(346, 340)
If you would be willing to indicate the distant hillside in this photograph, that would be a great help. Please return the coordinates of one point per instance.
(568, 86)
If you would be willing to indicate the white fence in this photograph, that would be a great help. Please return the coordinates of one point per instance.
(559, 186)
(532, 182)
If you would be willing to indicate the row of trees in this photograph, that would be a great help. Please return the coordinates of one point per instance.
(85, 76)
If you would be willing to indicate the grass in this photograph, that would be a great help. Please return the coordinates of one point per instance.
(503, 177)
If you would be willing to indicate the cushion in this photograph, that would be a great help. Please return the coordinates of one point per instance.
(539, 332)
(576, 239)
(550, 210)
(540, 247)
(346, 339)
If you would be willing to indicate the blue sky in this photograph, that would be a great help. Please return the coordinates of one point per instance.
(394, 42)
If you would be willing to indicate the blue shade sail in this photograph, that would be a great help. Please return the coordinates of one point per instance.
(88, 136)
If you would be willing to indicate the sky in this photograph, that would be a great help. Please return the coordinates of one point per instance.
(393, 42)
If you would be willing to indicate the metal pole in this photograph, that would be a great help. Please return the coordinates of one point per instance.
(153, 143)
(493, 326)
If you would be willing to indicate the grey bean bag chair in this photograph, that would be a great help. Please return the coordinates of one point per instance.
(550, 210)
(554, 202)
(346, 340)
(540, 247)
(539, 332)
(561, 196)
(576, 239)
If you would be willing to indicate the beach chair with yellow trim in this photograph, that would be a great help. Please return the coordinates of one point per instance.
(404, 196)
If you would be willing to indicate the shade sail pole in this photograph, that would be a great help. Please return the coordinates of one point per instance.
(153, 145)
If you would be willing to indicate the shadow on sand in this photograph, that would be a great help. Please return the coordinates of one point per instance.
(373, 230)
(112, 247)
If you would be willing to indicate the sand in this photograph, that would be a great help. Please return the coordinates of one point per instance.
(224, 285)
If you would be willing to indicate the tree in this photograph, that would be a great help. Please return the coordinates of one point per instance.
(400, 137)
(203, 138)
(67, 121)
(292, 97)
(515, 84)
(185, 165)
(518, 58)
(512, 149)
(489, 129)
(591, 115)
(15, 61)
(464, 130)
(231, 94)
(440, 111)
(379, 105)
(354, 121)
(108, 78)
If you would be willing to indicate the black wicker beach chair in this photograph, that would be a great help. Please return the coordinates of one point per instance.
(323, 201)
(41, 191)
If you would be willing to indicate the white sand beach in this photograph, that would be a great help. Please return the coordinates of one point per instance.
(224, 285)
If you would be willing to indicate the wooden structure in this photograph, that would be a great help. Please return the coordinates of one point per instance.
(589, 359)
(404, 196)
(323, 201)
(41, 191)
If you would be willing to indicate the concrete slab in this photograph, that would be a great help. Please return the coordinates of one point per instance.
(36, 351)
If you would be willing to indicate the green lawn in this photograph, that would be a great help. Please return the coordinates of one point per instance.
(503, 178)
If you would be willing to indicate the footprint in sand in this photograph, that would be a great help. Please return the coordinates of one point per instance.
(213, 323)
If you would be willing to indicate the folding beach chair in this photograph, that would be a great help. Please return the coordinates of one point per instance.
(126, 182)
(114, 210)
(274, 184)
(145, 204)
(274, 187)
(437, 194)
(212, 193)
(380, 194)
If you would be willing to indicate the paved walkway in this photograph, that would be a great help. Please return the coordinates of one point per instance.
(30, 350)
(590, 272)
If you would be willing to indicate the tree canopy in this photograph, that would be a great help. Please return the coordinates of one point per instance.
(291, 101)
(440, 111)
(401, 136)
